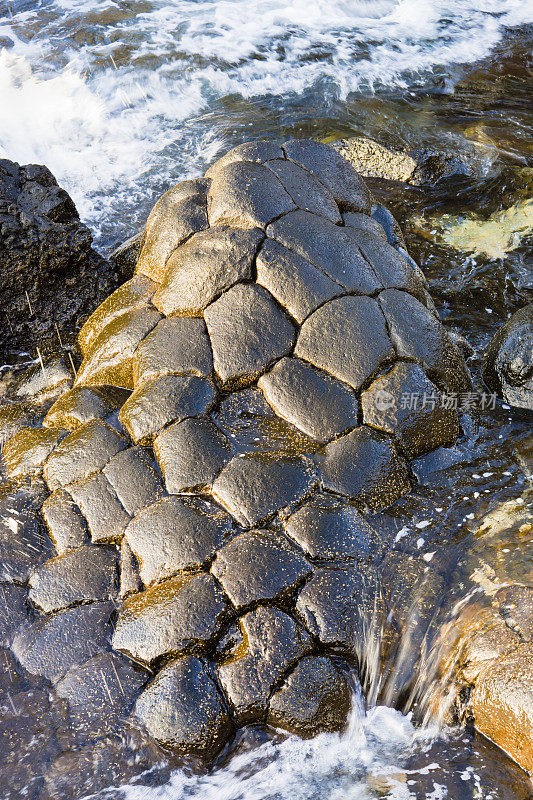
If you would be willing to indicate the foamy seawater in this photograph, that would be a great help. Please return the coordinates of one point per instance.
(121, 99)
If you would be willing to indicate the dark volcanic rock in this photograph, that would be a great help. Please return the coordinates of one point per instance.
(191, 454)
(174, 534)
(326, 530)
(254, 487)
(174, 345)
(177, 616)
(66, 524)
(310, 399)
(271, 643)
(366, 467)
(27, 451)
(53, 645)
(13, 613)
(508, 360)
(315, 698)
(87, 573)
(259, 565)
(184, 709)
(23, 542)
(46, 256)
(100, 693)
(106, 516)
(248, 332)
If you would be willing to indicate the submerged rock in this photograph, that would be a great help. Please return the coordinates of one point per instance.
(508, 360)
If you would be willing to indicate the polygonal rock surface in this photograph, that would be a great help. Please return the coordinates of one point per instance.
(260, 152)
(174, 345)
(133, 294)
(22, 544)
(81, 404)
(179, 213)
(183, 709)
(307, 191)
(346, 337)
(204, 267)
(191, 454)
(354, 219)
(85, 450)
(271, 642)
(246, 194)
(315, 698)
(175, 534)
(329, 531)
(334, 171)
(310, 399)
(406, 404)
(53, 645)
(366, 467)
(417, 333)
(87, 573)
(295, 283)
(134, 479)
(26, 452)
(108, 359)
(390, 267)
(13, 612)
(248, 332)
(170, 398)
(100, 693)
(179, 615)
(106, 517)
(331, 248)
(341, 607)
(254, 487)
(258, 565)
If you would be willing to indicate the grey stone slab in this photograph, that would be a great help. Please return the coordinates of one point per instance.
(307, 192)
(174, 534)
(390, 267)
(259, 566)
(271, 643)
(259, 152)
(327, 530)
(205, 266)
(184, 709)
(54, 644)
(130, 578)
(175, 345)
(348, 338)
(158, 402)
(100, 693)
(175, 217)
(297, 285)
(134, 479)
(23, 542)
(248, 332)
(106, 516)
(407, 405)
(26, 452)
(108, 360)
(79, 405)
(366, 467)
(174, 617)
(343, 609)
(332, 248)
(334, 171)
(245, 194)
(85, 574)
(66, 525)
(310, 399)
(315, 698)
(13, 612)
(191, 454)
(254, 487)
(82, 452)
(417, 333)
(354, 219)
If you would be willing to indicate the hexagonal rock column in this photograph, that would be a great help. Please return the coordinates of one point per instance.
(235, 381)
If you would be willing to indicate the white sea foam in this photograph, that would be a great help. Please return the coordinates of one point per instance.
(110, 98)
(373, 750)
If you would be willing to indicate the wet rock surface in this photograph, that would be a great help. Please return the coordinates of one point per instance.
(220, 454)
(508, 360)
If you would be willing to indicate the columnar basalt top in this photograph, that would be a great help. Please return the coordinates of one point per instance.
(206, 484)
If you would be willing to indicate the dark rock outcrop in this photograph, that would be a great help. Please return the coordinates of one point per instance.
(508, 360)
